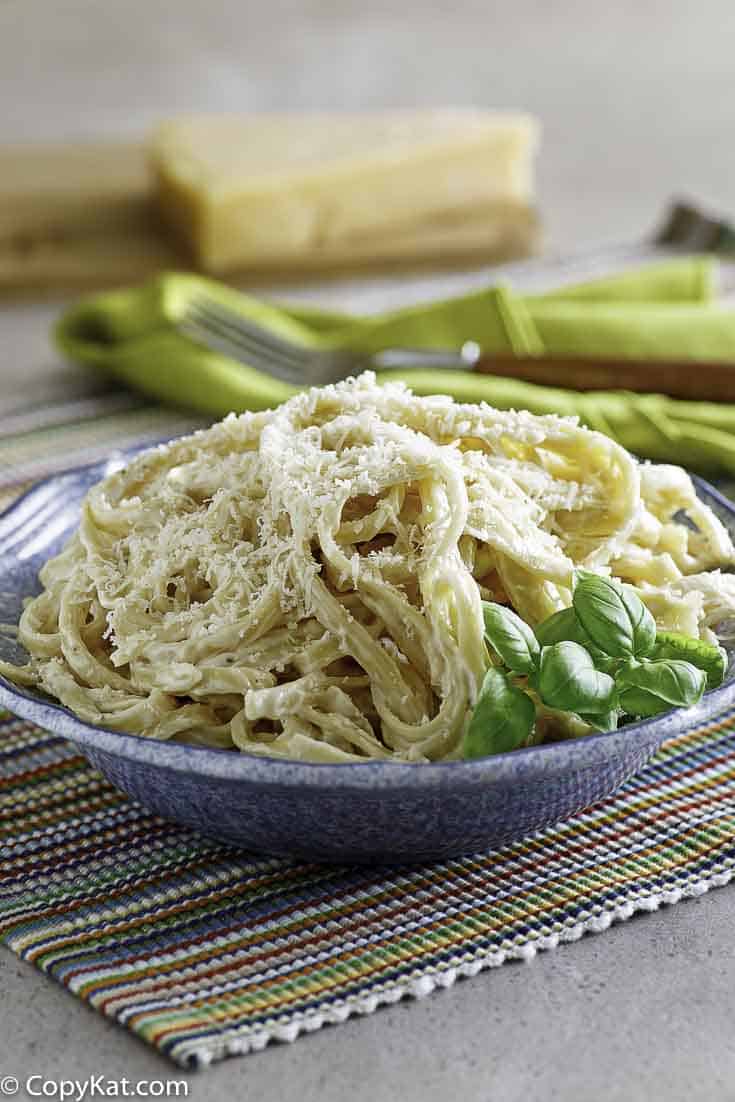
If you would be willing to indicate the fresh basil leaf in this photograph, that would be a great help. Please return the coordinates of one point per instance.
(511, 638)
(568, 680)
(605, 721)
(502, 720)
(613, 616)
(564, 625)
(561, 626)
(653, 686)
(705, 656)
(639, 704)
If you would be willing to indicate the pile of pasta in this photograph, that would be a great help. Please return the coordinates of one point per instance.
(307, 582)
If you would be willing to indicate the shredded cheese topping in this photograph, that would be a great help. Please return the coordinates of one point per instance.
(307, 582)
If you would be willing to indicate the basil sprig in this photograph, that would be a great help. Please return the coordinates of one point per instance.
(565, 625)
(602, 660)
(649, 687)
(711, 659)
(613, 616)
(569, 682)
(511, 638)
(502, 720)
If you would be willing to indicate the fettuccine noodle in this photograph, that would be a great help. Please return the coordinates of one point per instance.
(307, 582)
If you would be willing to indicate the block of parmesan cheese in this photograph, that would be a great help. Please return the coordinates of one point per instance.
(76, 215)
(276, 190)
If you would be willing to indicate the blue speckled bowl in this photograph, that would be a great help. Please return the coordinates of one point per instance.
(377, 811)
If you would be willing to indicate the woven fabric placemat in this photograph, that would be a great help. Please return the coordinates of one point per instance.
(205, 951)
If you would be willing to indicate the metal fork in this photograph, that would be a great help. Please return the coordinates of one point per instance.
(209, 322)
(224, 330)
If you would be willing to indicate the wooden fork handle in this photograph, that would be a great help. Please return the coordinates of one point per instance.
(693, 379)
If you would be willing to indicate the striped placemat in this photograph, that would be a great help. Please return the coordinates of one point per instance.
(205, 951)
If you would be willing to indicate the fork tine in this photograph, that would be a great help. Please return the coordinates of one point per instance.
(243, 346)
(261, 359)
(686, 225)
(241, 339)
(249, 331)
(290, 360)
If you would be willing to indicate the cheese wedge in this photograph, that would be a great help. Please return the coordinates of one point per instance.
(276, 190)
(79, 215)
(64, 188)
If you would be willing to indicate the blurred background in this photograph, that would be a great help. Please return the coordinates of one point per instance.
(636, 98)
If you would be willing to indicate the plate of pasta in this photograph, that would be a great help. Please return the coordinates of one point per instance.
(367, 625)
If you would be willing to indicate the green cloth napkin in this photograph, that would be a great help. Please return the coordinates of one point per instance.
(664, 311)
